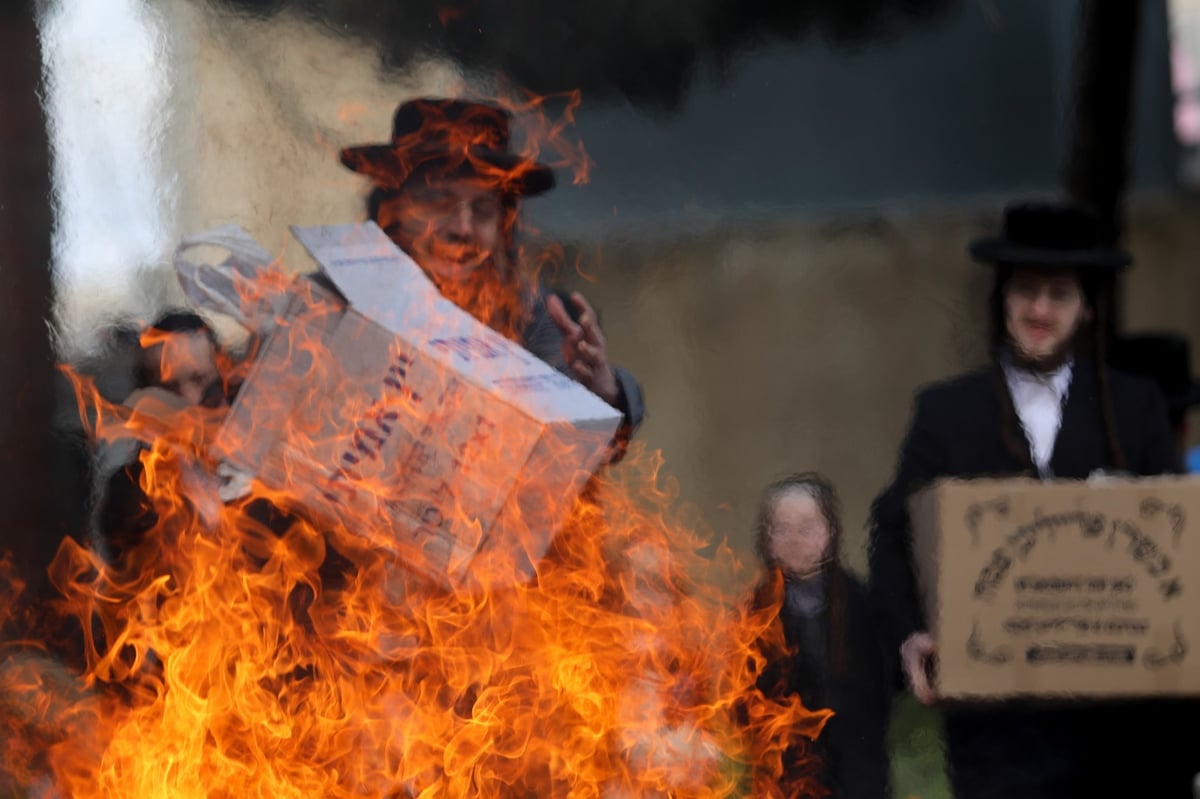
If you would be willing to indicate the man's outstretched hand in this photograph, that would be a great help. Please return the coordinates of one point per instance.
(584, 347)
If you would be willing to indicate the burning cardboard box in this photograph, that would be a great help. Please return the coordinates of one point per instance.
(1062, 589)
(377, 403)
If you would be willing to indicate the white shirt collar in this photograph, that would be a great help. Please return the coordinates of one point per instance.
(1057, 381)
(1038, 398)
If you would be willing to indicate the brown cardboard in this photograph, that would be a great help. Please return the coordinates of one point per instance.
(1061, 589)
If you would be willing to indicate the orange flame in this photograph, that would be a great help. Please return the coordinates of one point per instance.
(226, 656)
(292, 642)
(549, 136)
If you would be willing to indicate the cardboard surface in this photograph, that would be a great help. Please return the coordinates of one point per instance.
(1061, 589)
(416, 425)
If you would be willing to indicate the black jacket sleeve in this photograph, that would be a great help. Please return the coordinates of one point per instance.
(893, 583)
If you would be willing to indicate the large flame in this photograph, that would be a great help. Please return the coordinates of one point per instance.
(226, 655)
(261, 647)
(226, 660)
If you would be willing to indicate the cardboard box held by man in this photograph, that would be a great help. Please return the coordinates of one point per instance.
(377, 404)
(1061, 589)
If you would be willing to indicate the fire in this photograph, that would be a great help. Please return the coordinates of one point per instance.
(225, 658)
(291, 642)
(549, 136)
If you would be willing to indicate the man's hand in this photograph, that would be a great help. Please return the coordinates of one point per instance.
(584, 347)
(916, 658)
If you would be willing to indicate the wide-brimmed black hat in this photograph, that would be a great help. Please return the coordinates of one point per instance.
(1049, 235)
(1162, 356)
(440, 138)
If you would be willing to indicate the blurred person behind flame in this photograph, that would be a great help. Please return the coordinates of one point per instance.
(447, 190)
(834, 658)
(177, 366)
(1047, 406)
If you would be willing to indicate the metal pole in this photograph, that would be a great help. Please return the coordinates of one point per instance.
(1097, 168)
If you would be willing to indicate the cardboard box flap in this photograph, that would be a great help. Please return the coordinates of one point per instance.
(386, 286)
(367, 268)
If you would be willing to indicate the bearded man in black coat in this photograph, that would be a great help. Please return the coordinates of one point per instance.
(1046, 406)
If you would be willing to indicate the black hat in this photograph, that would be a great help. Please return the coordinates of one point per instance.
(1164, 357)
(441, 138)
(1049, 235)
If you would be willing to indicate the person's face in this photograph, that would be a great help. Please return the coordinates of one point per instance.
(186, 364)
(451, 228)
(1042, 312)
(798, 538)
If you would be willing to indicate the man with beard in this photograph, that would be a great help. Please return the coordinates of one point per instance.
(1046, 407)
(447, 190)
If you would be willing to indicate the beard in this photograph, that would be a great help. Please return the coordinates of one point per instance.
(1043, 363)
(454, 262)
(1049, 361)
(491, 293)
(484, 283)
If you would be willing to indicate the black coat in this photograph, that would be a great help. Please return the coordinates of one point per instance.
(852, 748)
(966, 427)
